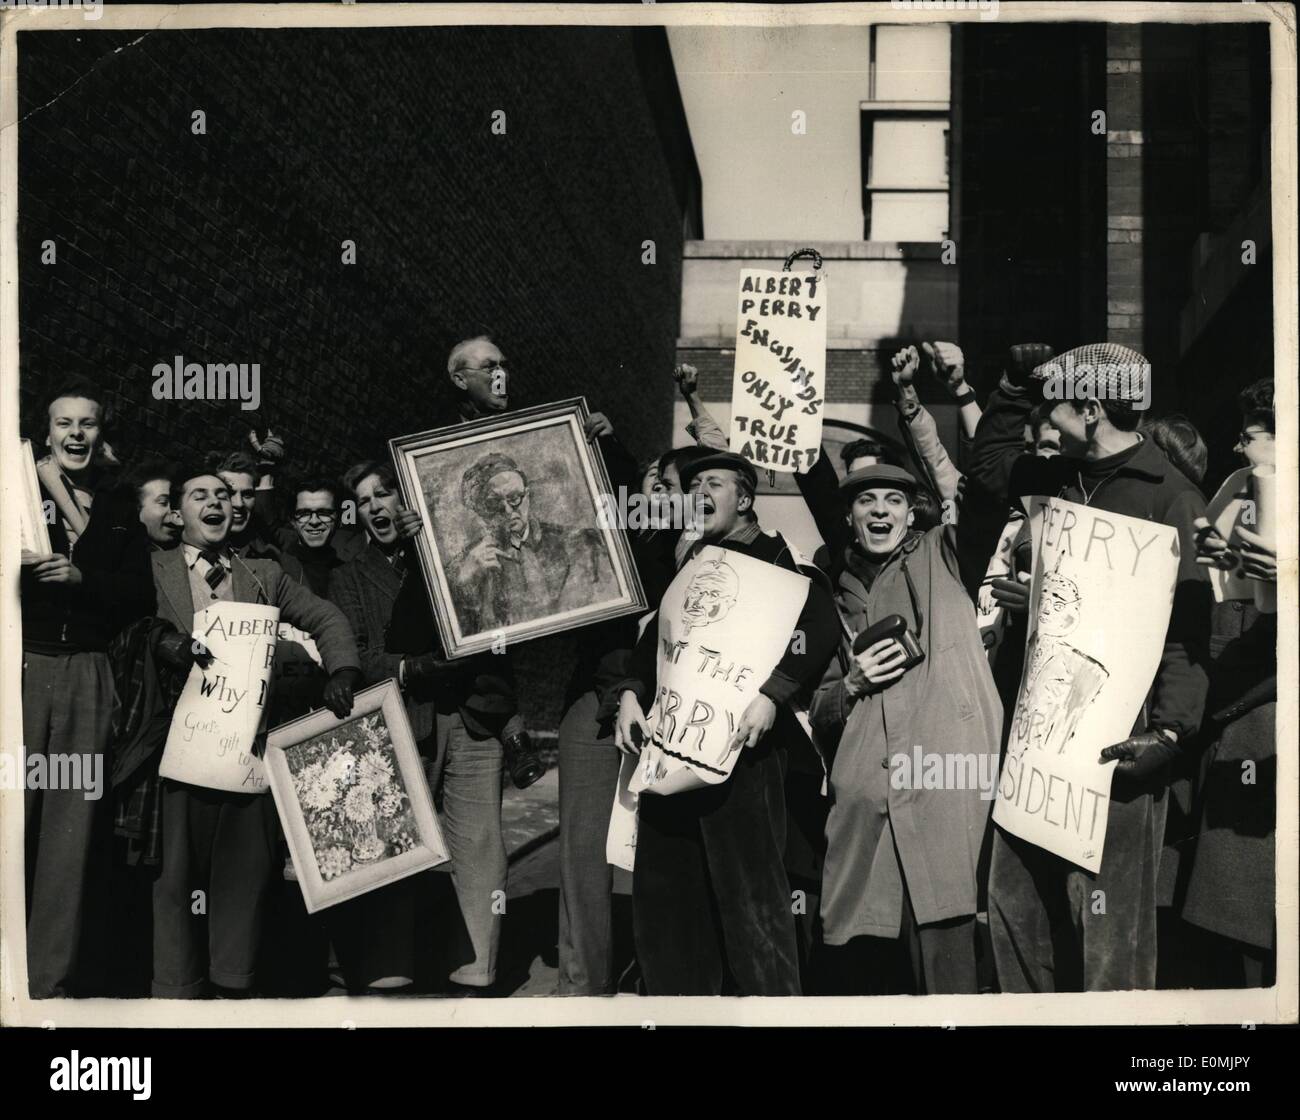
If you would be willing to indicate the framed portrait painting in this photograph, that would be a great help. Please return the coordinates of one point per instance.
(515, 544)
(353, 799)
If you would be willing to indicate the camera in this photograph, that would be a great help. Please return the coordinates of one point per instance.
(522, 760)
(891, 626)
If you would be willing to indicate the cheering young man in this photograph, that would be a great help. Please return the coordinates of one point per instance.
(224, 844)
(720, 851)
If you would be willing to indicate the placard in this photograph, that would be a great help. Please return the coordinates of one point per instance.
(34, 529)
(778, 392)
(1102, 594)
(222, 707)
(723, 626)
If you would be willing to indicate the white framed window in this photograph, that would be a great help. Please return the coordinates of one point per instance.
(905, 134)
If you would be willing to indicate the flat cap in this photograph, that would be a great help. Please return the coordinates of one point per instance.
(1104, 371)
(719, 461)
(878, 476)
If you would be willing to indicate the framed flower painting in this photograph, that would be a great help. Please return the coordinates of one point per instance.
(353, 799)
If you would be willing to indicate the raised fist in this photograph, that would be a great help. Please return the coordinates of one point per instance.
(904, 366)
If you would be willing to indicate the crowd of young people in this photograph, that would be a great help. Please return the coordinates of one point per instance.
(808, 871)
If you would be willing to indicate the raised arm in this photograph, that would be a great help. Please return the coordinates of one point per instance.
(703, 428)
(924, 431)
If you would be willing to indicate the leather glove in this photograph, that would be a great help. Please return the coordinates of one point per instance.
(1024, 356)
(425, 674)
(1141, 756)
(1011, 593)
(180, 651)
(339, 689)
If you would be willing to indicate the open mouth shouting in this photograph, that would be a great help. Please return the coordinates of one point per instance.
(72, 453)
(214, 523)
(879, 531)
(382, 527)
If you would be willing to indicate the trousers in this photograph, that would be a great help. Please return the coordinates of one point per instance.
(218, 853)
(1056, 927)
(469, 772)
(710, 894)
(67, 716)
(589, 765)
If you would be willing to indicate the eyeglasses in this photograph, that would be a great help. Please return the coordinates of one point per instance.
(304, 515)
(491, 367)
(1248, 437)
(505, 502)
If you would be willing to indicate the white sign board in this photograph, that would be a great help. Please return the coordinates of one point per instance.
(724, 624)
(222, 707)
(778, 393)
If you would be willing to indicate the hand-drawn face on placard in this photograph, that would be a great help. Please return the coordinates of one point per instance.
(710, 596)
(1059, 606)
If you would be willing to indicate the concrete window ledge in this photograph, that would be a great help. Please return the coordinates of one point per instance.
(830, 250)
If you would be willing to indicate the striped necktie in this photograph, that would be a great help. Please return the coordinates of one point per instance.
(216, 569)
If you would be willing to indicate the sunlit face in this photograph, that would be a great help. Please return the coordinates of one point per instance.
(1256, 445)
(314, 517)
(483, 375)
(881, 516)
(243, 496)
(377, 508)
(506, 502)
(1072, 425)
(156, 515)
(75, 426)
(720, 502)
(205, 511)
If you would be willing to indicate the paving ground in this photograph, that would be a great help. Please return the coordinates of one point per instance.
(528, 962)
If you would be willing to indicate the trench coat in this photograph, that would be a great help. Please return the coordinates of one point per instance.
(878, 836)
(1230, 889)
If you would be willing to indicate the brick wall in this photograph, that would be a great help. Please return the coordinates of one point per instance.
(226, 247)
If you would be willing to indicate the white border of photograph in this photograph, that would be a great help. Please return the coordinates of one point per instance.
(1238, 1007)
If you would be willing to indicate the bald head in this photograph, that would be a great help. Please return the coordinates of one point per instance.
(479, 373)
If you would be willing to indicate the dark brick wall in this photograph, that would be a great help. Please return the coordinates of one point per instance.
(226, 247)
